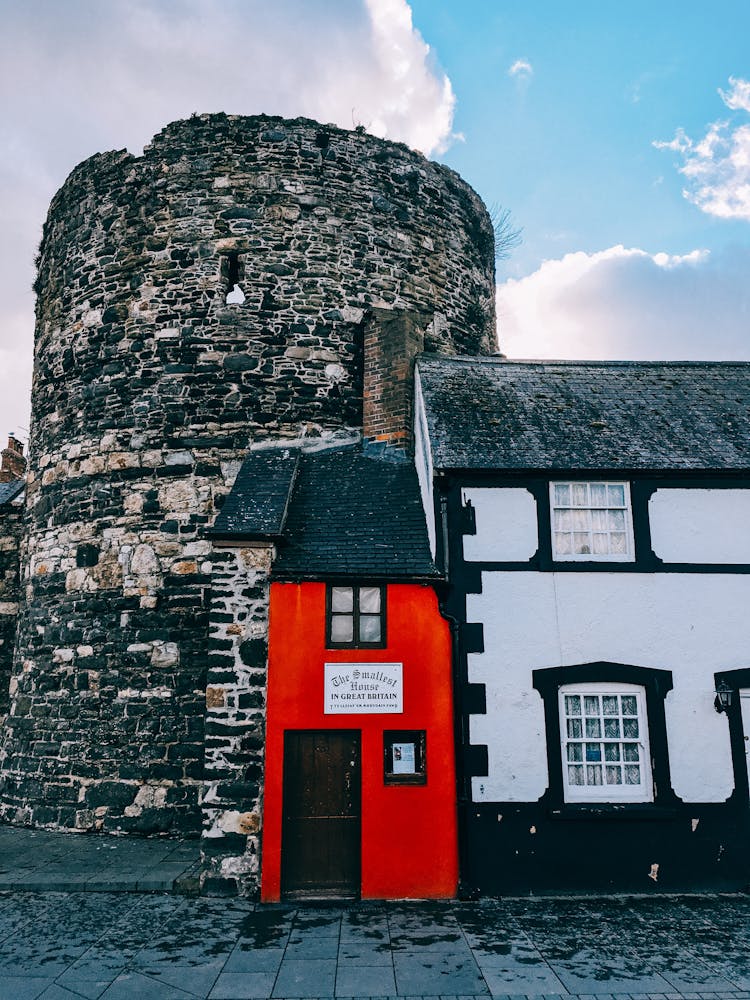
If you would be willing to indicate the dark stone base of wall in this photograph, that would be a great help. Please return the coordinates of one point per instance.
(513, 848)
(104, 807)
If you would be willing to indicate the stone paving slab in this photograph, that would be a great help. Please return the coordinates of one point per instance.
(44, 861)
(138, 946)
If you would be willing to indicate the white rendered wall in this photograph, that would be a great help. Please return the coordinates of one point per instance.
(507, 526)
(691, 624)
(423, 461)
(700, 526)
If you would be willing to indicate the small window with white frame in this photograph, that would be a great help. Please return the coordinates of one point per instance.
(356, 617)
(591, 521)
(604, 738)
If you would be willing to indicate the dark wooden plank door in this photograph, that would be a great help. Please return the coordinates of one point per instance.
(321, 831)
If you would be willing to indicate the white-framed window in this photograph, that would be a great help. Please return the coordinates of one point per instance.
(604, 737)
(355, 617)
(591, 521)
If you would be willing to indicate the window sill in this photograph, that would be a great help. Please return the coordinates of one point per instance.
(613, 810)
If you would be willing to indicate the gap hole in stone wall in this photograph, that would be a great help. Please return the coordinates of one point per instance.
(231, 272)
(236, 297)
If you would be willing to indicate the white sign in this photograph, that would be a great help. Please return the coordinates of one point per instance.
(363, 689)
(404, 759)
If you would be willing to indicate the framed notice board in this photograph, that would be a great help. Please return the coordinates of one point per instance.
(405, 757)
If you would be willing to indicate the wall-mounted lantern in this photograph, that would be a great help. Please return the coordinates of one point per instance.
(723, 698)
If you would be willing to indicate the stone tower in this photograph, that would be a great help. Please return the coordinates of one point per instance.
(151, 381)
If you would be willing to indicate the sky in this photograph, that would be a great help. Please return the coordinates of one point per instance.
(618, 136)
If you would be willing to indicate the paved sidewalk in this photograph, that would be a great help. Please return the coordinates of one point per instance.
(64, 946)
(98, 916)
(38, 861)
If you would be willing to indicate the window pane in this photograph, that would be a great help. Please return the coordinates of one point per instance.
(342, 628)
(598, 495)
(618, 543)
(630, 751)
(593, 751)
(616, 496)
(575, 751)
(601, 545)
(600, 520)
(575, 775)
(632, 774)
(614, 775)
(593, 774)
(369, 628)
(581, 520)
(581, 543)
(369, 600)
(630, 729)
(572, 704)
(612, 729)
(616, 520)
(609, 705)
(580, 495)
(574, 729)
(629, 704)
(562, 543)
(562, 495)
(593, 728)
(342, 598)
(611, 751)
(564, 520)
(591, 704)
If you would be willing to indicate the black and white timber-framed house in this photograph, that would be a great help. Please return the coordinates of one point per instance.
(592, 519)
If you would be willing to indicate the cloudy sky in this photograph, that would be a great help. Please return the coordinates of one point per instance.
(617, 134)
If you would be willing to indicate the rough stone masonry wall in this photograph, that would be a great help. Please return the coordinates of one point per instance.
(235, 719)
(11, 528)
(148, 388)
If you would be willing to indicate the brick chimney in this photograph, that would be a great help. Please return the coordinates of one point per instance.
(392, 339)
(12, 462)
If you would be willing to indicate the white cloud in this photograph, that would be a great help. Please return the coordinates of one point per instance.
(717, 167)
(738, 98)
(628, 304)
(87, 76)
(522, 69)
(416, 102)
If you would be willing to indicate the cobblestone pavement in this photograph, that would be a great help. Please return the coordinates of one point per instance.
(120, 946)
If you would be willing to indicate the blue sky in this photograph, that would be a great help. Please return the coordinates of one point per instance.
(573, 142)
(553, 110)
(568, 147)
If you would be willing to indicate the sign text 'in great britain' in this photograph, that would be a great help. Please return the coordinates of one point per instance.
(364, 688)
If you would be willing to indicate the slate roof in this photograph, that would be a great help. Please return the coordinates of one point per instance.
(256, 507)
(491, 413)
(9, 491)
(346, 514)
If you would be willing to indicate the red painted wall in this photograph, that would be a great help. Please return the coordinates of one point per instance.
(409, 840)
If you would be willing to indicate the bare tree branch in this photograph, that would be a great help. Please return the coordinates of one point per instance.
(508, 236)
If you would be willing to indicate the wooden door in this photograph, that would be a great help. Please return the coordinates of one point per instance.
(744, 694)
(321, 831)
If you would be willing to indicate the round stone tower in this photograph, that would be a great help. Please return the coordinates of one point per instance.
(210, 295)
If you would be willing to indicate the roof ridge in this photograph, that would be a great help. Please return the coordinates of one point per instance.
(571, 362)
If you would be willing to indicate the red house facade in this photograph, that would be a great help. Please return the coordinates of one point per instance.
(359, 776)
(373, 826)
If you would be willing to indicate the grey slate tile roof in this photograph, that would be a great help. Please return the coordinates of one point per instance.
(353, 515)
(491, 413)
(9, 491)
(332, 513)
(256, 507)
